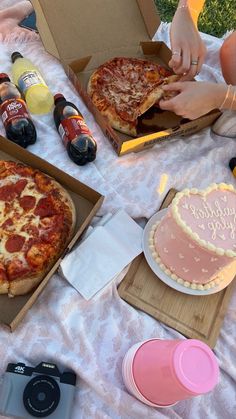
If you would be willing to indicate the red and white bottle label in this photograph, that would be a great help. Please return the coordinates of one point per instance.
(72, 127)
(13, 109)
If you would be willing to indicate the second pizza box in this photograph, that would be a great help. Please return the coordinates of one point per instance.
(83, 34)
(87, 202)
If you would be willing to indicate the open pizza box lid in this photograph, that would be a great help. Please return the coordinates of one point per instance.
(73, 30)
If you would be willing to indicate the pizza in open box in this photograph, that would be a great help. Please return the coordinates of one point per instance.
(37, 219)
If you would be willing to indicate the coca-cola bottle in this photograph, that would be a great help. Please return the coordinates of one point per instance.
(17, 122)
(78, 140)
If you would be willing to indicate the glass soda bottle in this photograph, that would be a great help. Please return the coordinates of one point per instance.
(31, 83)
(78, 140)
(15, 116)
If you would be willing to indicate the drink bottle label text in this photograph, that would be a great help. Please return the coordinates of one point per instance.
(72, 127)
(13, 109)
(29, 79)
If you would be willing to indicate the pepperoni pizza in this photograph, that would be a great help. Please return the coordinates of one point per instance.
(124, 88)
(37, 218)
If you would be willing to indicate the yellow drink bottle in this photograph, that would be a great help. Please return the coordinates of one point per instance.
(31, 83)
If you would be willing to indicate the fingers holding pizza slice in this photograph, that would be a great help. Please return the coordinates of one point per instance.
(123, 89)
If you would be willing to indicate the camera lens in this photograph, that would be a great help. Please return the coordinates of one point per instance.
(41, 396)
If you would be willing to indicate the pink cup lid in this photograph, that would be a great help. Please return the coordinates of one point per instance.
(195, 366)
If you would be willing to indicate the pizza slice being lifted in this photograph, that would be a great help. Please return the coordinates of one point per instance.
(123, 89)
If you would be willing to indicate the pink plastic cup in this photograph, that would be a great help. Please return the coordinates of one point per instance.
(162, 372)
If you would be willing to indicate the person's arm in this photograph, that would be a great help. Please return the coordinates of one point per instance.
(195, 99)
(188, 50)
(194, 6)
(228, 59)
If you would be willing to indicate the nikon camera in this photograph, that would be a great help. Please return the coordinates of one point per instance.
(37, 392)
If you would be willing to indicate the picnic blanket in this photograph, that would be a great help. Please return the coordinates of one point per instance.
(92, 337)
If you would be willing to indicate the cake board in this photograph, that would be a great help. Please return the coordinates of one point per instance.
(196, 317)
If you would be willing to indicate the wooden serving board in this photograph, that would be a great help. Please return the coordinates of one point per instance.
(196, 317)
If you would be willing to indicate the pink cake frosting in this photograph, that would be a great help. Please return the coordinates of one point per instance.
(195, 242)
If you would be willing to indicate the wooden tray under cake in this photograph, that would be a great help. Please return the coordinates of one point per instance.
(197, 317)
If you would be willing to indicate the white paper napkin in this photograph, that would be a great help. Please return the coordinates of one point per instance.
(102, 254)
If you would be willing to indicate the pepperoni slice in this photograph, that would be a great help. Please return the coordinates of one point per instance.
(45, 207)
(20, 186)
(14, 243)
(9, 192)
(27, 202)
(7, 223)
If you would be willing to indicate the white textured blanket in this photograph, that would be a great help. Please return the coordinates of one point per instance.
(93, 337)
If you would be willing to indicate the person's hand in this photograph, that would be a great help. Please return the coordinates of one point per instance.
(10, 17)
(188, 50)
(193, 99)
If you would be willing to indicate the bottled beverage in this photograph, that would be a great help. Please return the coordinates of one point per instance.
(31, 83)
(15, 116)
(75, 134)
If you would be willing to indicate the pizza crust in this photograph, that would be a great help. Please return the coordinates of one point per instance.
(24, 286)
(4, 286)
(118, 123)
(71, 205)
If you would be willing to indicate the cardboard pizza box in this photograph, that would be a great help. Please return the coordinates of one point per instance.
(83, 34)
(87, 202)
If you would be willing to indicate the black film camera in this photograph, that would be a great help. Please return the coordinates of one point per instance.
(37, 392)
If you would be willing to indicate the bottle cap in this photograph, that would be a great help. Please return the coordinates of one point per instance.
(4, 77)
(58, 98)
(232, 163)
(16, 55)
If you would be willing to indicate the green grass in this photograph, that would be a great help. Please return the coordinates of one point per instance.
(217, 17)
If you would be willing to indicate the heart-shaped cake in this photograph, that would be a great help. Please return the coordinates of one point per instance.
(195, 242)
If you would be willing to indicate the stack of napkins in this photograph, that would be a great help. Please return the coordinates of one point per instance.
(102, 254)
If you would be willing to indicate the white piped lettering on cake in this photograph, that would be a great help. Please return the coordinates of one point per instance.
(196, 259)
(181, 256)
(217, 213)
(222, 224)
(209, 212)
